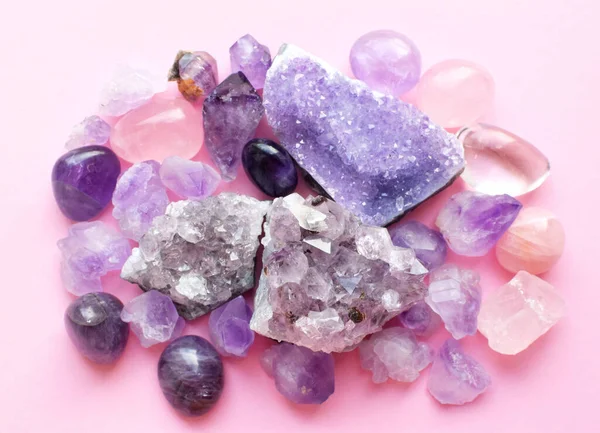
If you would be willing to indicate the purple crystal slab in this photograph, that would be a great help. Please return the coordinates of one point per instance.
(375, 155)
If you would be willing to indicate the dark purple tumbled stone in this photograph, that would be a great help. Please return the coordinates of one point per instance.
(270, 167)
(84, 180)
(94, 325)
(190, 373)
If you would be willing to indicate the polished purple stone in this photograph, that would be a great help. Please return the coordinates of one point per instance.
(231, 115)
(190, 373)
(270, 167)
(251, 58)
(83, 181)
(301, 375)
(229, 327)
(429, 245)
(420, 319)
(94, 325)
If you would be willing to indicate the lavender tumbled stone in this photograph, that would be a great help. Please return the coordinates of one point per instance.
(93, 130)
(420, 319)
(83, 181)
(189, 179)
(473, 222)
(229, 327)
(300, 375)
(251, 58)
(429, 245)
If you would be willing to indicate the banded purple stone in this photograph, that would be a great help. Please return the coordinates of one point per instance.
(270, 167)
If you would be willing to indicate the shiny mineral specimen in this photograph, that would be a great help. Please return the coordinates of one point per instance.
(229, 327)
(328, 281)
(374, 154)
(200, 253)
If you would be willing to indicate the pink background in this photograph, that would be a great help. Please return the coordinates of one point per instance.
(543, 55)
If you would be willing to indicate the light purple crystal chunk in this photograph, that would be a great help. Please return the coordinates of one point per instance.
(91, 131)
(229, 327)
(300, 375)
(195, 72)
(374, 154)
(128, 88)
(420, 319)
(251, 58)
(189, 179)
(327, 280)
(472, 222)
(429, 245)
(396, 354)
(139, 197)
(153, 318)
(455, 377)
(89, 252)
(455, 295)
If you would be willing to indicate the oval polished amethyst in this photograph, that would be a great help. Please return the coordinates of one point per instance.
(94, 324)
(190, 373)
(84, 180)
(270, 167)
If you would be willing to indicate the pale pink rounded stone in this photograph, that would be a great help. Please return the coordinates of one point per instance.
(163, 127)
(534, 242)
(455, 93)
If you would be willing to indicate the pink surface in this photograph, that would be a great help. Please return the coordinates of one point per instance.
(543, 56)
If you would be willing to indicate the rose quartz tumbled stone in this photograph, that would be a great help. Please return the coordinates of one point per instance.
(533, 243)
(455, 93)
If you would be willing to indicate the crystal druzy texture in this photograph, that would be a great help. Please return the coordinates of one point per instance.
(200, 253)
(328, 281)
(374, 154)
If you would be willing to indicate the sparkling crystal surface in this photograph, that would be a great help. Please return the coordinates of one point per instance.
(229, 327)
(429, 245)
(472, 222)
(189, 179)
(270, 167)
(196, 74)
(252, 59)
(93, 130)
(139, 197)
(374, 154)
(328, 281)
(420, 319)
(89, 252)
(300, 375)
(231, 115)
(200, 253)
(520, 312)
(128, 88)
(396, 354)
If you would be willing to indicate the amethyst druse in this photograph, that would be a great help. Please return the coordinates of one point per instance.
(229, 327)
(190, 373)
(270, 167)
(94, 325)
(429, 245)
(83, 181)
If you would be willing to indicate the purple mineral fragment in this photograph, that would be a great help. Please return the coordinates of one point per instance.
(195, 72)
(429, 245)
(91, 131)
(251, 58)
(189, 179)
(229, 327)
(420, 319)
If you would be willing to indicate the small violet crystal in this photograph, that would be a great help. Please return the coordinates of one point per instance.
(270, 167)
(189, 179)
(231, 115)
(91, 131)
(129, 88)
(153, 318)
(195, 72)
(455, 295)
(300, 375)
(139, 197)
(472, 222)
(395, 353)
(251, 58)
(429, 245)
(229, 327)
(420, 319)
(89, 252)
(455, 377)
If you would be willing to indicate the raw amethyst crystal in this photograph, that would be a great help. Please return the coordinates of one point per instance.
(251, 58)
(455, 377)
(128, 88)
(83, 181)
(229, 327)
(189, 179)
(139, 197)
(231, 115)
(395, 353)
(153, 317)
(91, 131)
(327, 280)
(420, 319)
(429, 245)
(472, 222)
(455, 295)
(300, 375)
(200, 253)
(190, 373)
(374, 154)
(195, 72)
(89, 252)
(270, 167)
(94, 325)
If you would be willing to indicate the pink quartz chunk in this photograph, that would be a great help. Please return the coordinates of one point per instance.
(189, 179)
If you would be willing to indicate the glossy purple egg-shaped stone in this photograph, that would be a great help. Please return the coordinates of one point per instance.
(190, 373)
(94, 324)
(270, 167)
(84, 180)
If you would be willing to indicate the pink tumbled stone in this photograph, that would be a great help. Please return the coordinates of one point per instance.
(455, 93)
(533, 243)
(163, 127)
